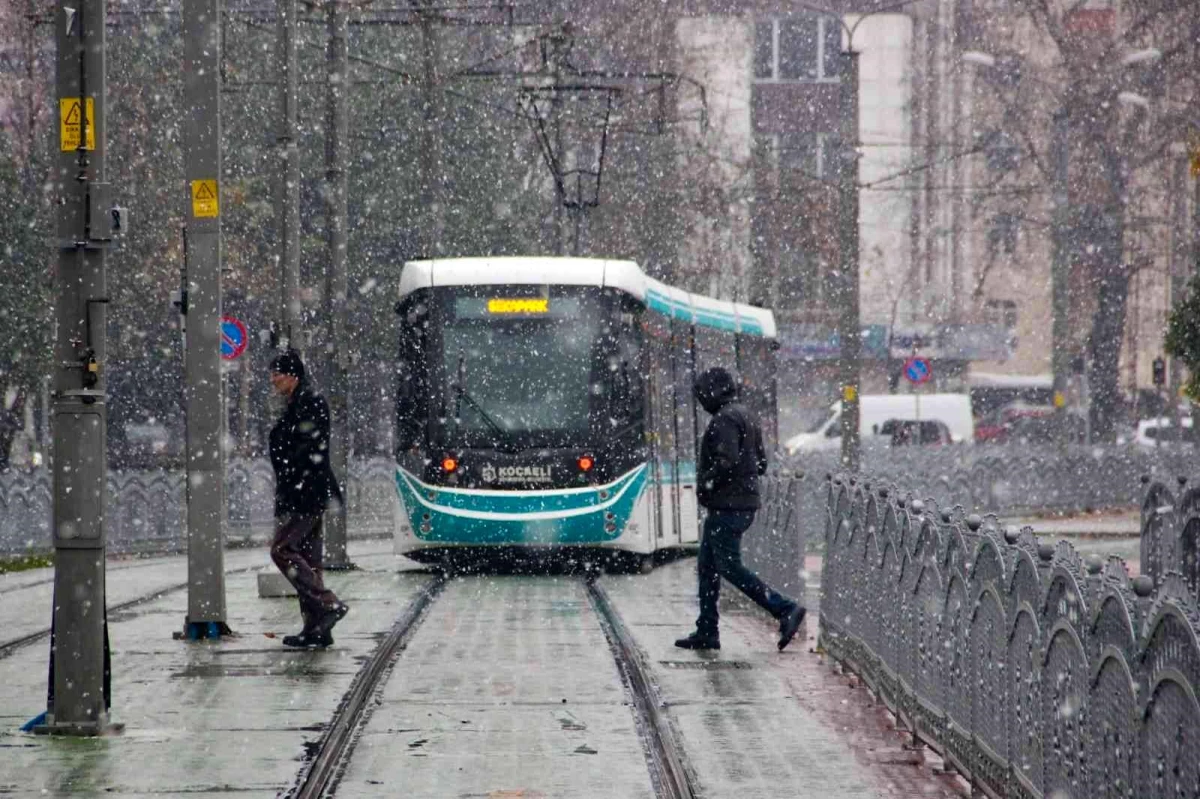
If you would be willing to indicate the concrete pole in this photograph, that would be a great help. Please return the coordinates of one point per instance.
(204, 392)
(79, 698)
(288, 201)
(432, 194)
(1059, 270)
(1178, 288)
(849, 324)
(335, 279)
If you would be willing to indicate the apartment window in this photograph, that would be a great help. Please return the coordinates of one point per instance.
(1001, 312)
(805, 47)
(797, 156)
(1003, 233)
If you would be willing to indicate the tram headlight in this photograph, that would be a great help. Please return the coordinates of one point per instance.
(449, 465)
(586, 462)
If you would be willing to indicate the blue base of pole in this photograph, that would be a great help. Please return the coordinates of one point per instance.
(36, 721)
(203, 631)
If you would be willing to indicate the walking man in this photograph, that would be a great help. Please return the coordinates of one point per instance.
(304, 485)
(731, 460)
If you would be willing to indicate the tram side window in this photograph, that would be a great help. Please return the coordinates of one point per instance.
(627, 396)
(681, 345)
(412, 375)
(662, 389)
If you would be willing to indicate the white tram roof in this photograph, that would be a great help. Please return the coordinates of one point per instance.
(623, 275)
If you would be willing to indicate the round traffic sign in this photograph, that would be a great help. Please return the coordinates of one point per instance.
(234, 338)
(918, 370)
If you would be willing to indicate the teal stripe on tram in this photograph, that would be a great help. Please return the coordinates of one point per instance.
(702, 316)
(565, 516)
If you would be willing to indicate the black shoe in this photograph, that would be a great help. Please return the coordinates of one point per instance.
(331, 617)
(789, 624)
(698, 641)
(312, 640)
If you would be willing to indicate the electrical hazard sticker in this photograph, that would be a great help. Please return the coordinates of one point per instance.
(73, 120)
(204, 199)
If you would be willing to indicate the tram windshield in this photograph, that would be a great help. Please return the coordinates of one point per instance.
(517, 367)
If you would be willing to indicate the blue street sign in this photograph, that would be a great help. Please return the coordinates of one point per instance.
(917, 370)
(234, 338)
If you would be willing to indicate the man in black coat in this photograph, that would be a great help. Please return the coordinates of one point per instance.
(731, 460)
(304, 485)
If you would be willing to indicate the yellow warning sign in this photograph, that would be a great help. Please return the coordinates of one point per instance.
(204, 199)
(71, 123)
(849, 393)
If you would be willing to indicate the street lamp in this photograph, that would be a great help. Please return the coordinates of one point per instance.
(1059, 166)
(849, 321)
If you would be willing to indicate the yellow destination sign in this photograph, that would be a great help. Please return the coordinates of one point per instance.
(71, 122)
(205, 203)
(518, 305)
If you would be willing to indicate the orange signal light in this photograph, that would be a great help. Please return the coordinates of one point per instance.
(449, 464)
(586, 463)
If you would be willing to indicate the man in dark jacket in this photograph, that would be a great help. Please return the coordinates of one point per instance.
(304, 485)
(731, 460)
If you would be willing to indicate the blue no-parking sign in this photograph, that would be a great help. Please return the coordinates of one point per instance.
(918, 370)
(234, 338)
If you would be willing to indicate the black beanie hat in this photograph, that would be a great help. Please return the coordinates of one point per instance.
(288, 363)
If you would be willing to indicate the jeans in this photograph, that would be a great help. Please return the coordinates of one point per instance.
(721, 556)
(297, 551)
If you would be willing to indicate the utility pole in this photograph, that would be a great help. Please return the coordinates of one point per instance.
(1059, 271)
(849, 325)
(1177, 257)
(287, 224)
(335, 277)
(432, 221)
(205, 385)
(79, 695)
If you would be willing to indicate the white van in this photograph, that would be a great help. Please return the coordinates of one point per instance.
(875, 410)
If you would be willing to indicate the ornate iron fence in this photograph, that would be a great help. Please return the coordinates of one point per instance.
(1033, 671)
(145, 510)
(1008, 480)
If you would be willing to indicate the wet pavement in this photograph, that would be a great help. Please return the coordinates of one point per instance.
(508, 687)
(232, 716)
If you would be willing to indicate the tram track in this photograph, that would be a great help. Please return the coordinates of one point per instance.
(336, 746)
(10, 647)
(663, 753)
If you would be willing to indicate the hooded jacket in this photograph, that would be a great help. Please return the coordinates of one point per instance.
(304, 480)
(731, 453)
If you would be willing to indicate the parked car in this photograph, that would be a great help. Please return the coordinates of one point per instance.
(916, 432)
(952, 410)
(994, 428)
(1150, 430)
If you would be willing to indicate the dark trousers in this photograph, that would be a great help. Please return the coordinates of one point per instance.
(721, 556)
(296, 551)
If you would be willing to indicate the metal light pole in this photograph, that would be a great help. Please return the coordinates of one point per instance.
(287, 224)
(79, 694)
(849, 324)
(335, 277)
(205, 387)
(1059, 269)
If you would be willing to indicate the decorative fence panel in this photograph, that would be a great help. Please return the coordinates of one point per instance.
(146, 509)
(1035, 672)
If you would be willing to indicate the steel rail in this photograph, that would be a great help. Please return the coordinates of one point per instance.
(7, 648)
(666, 761)
(323, 771)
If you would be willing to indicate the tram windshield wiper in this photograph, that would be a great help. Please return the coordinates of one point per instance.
(461, 394)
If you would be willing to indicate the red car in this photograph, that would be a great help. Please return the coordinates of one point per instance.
(995, 428)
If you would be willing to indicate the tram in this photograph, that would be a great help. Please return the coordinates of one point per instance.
(546, 403)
